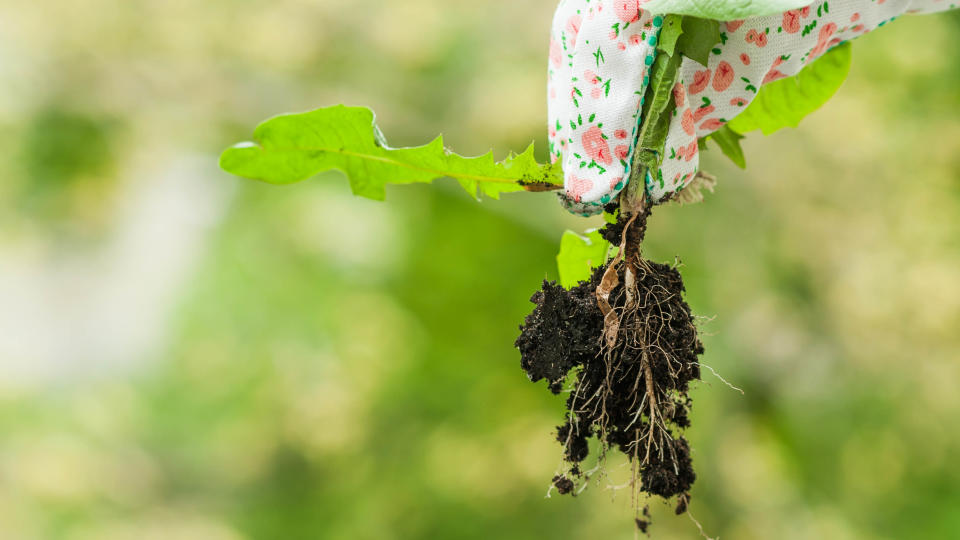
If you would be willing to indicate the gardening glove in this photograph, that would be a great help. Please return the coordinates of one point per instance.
(601, 54)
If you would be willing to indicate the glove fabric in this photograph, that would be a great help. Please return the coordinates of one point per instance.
(601, 54)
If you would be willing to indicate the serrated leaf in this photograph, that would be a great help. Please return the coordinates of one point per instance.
(723, 10)
(579, 255)
(698, 38)
(786, 102)
(294, 147)
(729, 143)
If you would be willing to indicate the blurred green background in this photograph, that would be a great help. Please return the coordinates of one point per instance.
(189, 356)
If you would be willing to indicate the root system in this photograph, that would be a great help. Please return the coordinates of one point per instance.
(629, 340)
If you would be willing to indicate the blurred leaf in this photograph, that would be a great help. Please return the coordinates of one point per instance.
(579, 255)
(60, 146)
(699, 37)
(293, 147)
(724, 10)
(786, 102)
(729, 143)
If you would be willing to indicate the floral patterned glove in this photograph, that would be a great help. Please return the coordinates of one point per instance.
(601, 53)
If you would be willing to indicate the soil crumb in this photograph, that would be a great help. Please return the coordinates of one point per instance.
(563, 484)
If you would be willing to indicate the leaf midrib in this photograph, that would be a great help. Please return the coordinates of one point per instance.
(383, 159)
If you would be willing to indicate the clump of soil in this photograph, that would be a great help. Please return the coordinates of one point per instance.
(566, 333)
(643, 522)
(629, 337)
(563, 484)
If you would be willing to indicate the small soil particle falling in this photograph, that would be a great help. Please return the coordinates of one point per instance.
(629, 337)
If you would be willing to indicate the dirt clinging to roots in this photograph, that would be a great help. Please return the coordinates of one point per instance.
(633, 358)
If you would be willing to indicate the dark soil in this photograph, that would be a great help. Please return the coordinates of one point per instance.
(566, 333)
(563, 484)
(630, 393)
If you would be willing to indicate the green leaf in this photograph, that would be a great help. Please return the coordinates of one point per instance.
(293, 147)
(698, 38)
(786, 102)
(662, 80)
(579, 255)
(670, 33)
(656, 117)
(729, 143)
(723, 10)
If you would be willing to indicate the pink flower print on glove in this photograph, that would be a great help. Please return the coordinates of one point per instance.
(700, 81)
(596, 147)
(757, 38)
(823, 41)
(573, 29)
(627, 10)
(621, 151)
(723, 76)
(578, 187)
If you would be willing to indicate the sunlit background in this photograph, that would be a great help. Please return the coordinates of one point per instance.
(189, 356)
